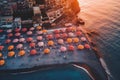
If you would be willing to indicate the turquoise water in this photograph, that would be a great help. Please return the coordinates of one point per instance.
(65, 73)
(103, 16)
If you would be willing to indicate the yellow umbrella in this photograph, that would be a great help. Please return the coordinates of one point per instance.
(2, 62)
(80, 47)
(11, 53)
(21, 53)
(11, 47)
(46, 51)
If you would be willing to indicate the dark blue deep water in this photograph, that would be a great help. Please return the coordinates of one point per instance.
(103, 16)
(65, 73)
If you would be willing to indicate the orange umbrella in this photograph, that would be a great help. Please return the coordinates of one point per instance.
(33, 52)
(1, 48)
(11, 47)
(80, 47)
(11, 54)
(21, 53)
(38, 27)
(44, 31)
(1, 54)
(29, 39)
(69, 40)
(32, 44)
(7, 41)
(50, 43)
(46, 51)
(76, 40)
(2, 62)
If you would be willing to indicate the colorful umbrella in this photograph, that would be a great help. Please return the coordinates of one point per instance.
(39, 37)
(17, 34)
(11, 54)
(33, 52)
(63, 49)
(71, 48)
(9, 30)
(78, 33)
(17, 29)
(40, 44)
(76, 40)
(1, 55)
(32, 44)
(7, 41)
(39, 32)
(11, 47)
(60, 41)
(44, 31)
(1, 48)
(50, 36)
(24, 29)
(50, 43)
(21, 53)
(19, 46)
(10, 35)
(21, 39)
(56, 31)
(80, 47)
(2, 62)
(38, 27)
(29, 33)
(69, 40)
(32, 28)
(1, 30)
(29, 39)
(87, 46)
(83, 39)
(57, 35)
(15, 40)
(46, 51)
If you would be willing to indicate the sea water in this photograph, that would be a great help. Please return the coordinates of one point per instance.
(59, 73)
(103, 17)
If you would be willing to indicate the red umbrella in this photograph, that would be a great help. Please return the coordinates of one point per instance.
(71, 48)
(78, 33)
(7, 41)
(1, 48)
(87, 46)
(32, 44)
(33, 52)
(64, 35)
(62, 30)
(29, 39)
(68, 29)
(57, 35)
(24, 29)
(56, 31)
(17, 34)
(17, 29)
(50, 36)
(1, 30)
(10, 35)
